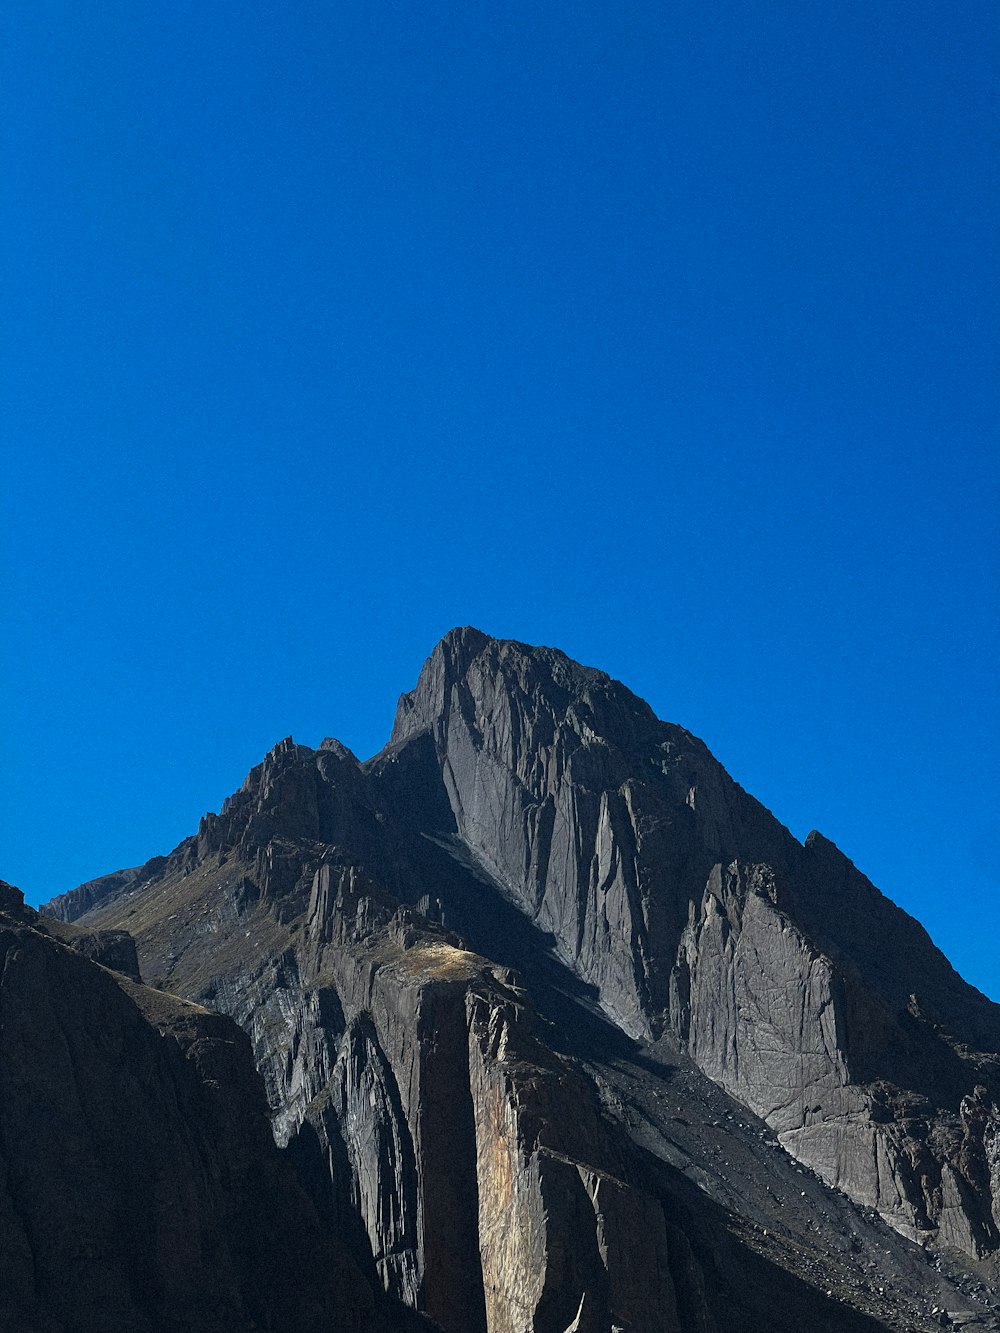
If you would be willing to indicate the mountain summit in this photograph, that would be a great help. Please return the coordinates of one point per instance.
(565, 1031)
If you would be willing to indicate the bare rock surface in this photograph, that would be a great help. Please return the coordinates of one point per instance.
(789, 978)
(563, 1030)
(139, 1181)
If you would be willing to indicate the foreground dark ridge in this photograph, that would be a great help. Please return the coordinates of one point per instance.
(139, 1181)
(486, 974)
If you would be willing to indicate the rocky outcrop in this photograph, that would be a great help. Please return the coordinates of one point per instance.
(138, 1176)
(480, 969)
(438, 1083)
(567, 1238)
(114, 949)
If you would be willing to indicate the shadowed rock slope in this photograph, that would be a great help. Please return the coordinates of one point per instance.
(140, 1187)
(565, 1031)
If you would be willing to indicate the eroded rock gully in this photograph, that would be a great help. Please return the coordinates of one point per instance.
(541, 997)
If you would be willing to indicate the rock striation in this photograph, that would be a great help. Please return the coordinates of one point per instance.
(563, 1030)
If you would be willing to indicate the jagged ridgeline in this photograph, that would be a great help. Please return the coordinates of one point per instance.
(562, 1030)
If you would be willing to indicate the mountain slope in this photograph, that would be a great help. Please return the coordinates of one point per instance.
(496, 963)
(138, 1178)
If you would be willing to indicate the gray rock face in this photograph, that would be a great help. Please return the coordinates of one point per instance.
(787, 975)
(594, 814)
(440, 1123)
(536, 993)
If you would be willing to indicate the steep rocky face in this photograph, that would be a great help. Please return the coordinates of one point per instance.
(486, 974)
(138, 1176)
(485, 1178)
(789, 978)
(114, 949)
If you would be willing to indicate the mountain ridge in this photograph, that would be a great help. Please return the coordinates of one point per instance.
(636, 882)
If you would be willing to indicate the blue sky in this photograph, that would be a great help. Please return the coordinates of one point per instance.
(666, 334)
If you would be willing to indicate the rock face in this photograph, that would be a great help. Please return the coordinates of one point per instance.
(790, 980)
(138, 1177)
(536, 994)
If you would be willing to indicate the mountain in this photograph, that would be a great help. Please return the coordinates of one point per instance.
(563, 1030)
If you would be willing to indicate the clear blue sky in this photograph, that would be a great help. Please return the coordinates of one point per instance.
(666, 334)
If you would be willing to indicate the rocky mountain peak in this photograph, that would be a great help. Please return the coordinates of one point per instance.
(11, 899)
(330, 745)
(471, 672)
(816, 840)
(535, 815)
